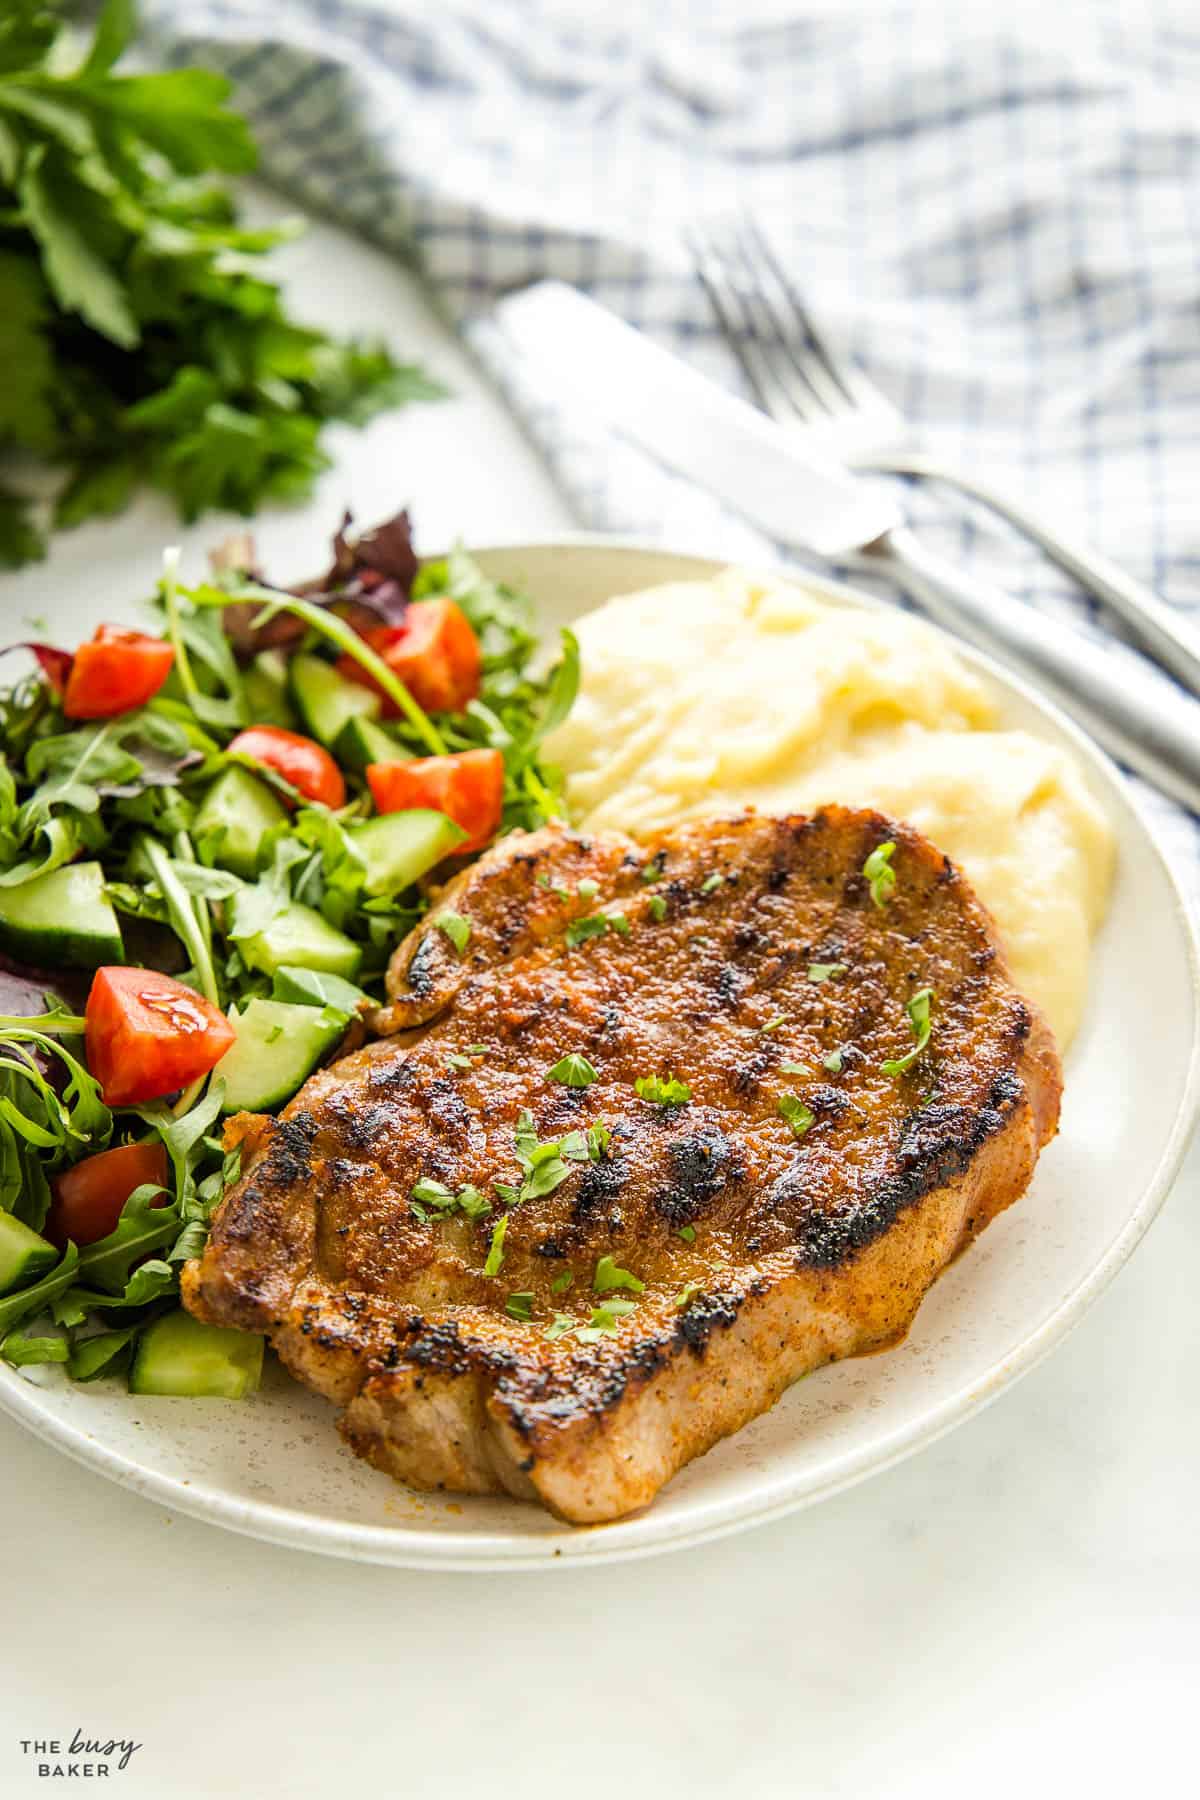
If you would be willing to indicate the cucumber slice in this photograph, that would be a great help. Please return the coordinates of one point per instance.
(62, 917)
(235, 815)
(300, 935)
(23, 1254)
(362, 741)
(310, 987)
(325, 699)
(265, 684)
(178, 1355)
(278, 1046)
(400, 847)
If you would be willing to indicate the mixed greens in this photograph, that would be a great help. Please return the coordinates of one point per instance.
(219, 847)
(140, 343)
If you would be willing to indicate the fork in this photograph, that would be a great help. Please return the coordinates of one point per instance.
(802, 383)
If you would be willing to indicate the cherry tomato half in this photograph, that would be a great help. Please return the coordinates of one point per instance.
(87, 1199)
(434, 652)
(468, 787)
(310, 769)
(147, 1035)
(114, 672)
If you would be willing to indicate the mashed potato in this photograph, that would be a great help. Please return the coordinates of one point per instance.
(710, 696)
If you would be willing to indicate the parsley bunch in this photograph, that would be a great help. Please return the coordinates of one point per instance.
(138, 342)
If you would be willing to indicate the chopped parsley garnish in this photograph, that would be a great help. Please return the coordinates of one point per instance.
(587, 889)
(429, 1193)
(560, 893)
(657, 908)
(603, 1320)
(772, 1024)
(456, 928)
(433, 1193)
(599, 1137)
(477, 1050)
(655, 869)
(687, 1294)
(833, 1062)
(688, 1233)
(457, 1061)
(796, 1113)
(794, 1068)
(663, 1092)
(545, 1166)
(495, 1255)
(921, 1025)
(618, 923)
(819, 972)
(573, 1071)
(519, 1306)
(474, 1204)
(712, 883)
(141, 345)
(562, 1281)
(609, 1276)
(879, 872)
(580, 930)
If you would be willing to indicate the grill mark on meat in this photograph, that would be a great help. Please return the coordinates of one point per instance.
(729, 986)
(600, 1184)
(701, 1166)
(420, 975)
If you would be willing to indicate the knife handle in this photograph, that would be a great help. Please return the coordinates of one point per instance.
(1162, 631)
(1145, 721)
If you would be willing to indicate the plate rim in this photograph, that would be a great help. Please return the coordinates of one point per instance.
(641, 1536)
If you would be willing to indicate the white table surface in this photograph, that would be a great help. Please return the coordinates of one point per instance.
(1015, 1607)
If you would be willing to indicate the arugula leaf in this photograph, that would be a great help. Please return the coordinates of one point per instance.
(41, 1127)
(18, 1349)
(95, 1355)
(34, 1299)
(143, 1226)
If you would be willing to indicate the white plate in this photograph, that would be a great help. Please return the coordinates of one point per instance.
(275, 1468)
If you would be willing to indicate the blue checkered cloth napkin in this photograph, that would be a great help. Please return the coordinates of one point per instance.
(997, 210)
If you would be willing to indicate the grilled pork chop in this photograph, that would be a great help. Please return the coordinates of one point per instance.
(568, 1291)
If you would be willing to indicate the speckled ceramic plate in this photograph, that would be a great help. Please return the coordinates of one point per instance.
(275, 1468)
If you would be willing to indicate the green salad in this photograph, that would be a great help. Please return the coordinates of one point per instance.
(212, 836)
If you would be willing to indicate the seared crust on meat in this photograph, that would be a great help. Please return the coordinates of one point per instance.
(796, 1249)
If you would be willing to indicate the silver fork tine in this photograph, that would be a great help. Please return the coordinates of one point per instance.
(733, 322)
(854, 385)
(765, 278)
(771, 376)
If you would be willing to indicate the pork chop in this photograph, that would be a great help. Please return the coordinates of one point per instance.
(661, 1135)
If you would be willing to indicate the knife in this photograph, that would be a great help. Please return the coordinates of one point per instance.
(726, 446)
